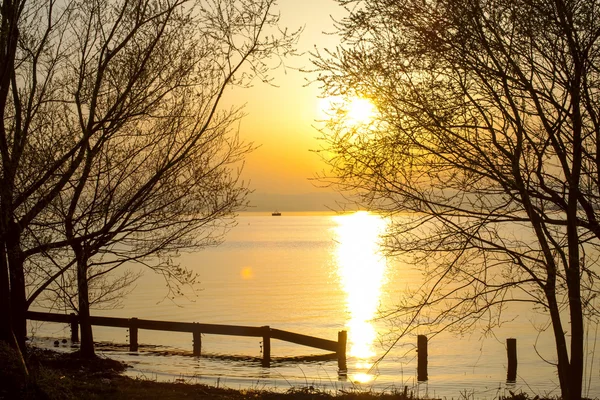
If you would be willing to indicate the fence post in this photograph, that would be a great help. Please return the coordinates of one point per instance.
(74, 328)
(341, 352)
(266, 360)
(197, 340)
(133, 334)
(421, 358)
(511, 350)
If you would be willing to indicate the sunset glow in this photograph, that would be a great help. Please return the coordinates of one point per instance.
(180, 180)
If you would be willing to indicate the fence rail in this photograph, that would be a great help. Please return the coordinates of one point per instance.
(265, 332)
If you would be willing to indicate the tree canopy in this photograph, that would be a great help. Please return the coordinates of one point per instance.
(485, 147)
(114, 143)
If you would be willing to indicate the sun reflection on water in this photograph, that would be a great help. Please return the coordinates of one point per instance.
(362, 271)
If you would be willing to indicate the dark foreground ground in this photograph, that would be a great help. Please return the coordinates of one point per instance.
(65, 376)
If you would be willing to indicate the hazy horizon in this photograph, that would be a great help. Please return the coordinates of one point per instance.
(296, 202)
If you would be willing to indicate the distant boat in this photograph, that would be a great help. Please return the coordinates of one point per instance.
(276, 214)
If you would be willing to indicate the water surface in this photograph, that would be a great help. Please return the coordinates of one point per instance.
(317, 275)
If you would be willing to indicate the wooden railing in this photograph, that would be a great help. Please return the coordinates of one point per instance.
(197, 329)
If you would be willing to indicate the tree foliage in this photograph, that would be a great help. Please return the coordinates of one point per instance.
(485, 147)
(115, 147)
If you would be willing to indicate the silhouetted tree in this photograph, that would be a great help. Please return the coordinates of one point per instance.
(114, 145)
(8, 43)
(485, 148)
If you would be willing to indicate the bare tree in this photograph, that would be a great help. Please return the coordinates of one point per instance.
(28, 179)
(487, 134)
(126, 152)
(9, 34)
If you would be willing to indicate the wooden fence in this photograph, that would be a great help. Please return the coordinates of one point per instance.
(197, 329)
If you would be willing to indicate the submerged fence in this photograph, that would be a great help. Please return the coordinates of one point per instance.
(196, 329)
(265, 332)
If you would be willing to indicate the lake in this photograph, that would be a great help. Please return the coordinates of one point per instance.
(317, 274)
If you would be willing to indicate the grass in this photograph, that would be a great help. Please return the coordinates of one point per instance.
(66, 376)
(54, 375)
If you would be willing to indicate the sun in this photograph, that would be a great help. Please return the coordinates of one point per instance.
(360, 111)
(354, 110)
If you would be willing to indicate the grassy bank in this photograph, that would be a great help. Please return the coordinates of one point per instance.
(55, 375)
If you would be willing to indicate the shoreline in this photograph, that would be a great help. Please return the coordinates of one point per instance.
(63, 375)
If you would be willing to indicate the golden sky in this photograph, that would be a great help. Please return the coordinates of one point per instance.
(281, 119)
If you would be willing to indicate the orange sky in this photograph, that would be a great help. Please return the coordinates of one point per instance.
(281, 119)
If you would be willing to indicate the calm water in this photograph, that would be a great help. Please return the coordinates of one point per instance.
(316, 275)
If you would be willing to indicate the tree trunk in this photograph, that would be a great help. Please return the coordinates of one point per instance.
(8, 44)
(18, 294)
(561, 345)
(7, 334)
(18, 304)
(87, 338)
(573, 269)
(577, 332)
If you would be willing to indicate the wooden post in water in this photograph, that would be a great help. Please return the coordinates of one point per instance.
(74, 328)
(341, 352)
(266, 360)
(133, 334)
(197, 341)
(511, 350)
(421, 358)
